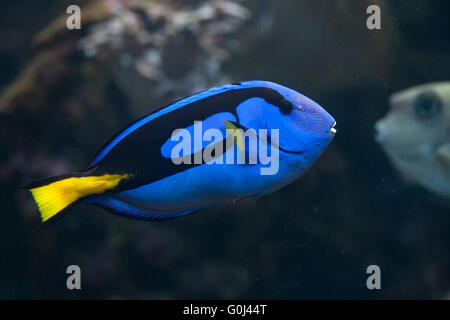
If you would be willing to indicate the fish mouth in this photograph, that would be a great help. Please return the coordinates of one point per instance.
(333, 129)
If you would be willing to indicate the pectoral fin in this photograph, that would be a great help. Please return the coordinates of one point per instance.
(443, 154)
(237, 132)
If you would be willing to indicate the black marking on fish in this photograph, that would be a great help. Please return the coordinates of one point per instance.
(139, 153)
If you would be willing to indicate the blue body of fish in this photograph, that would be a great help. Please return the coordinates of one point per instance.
(159, 188)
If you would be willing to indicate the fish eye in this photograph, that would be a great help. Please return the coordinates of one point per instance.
(427, 105)
(286, 107)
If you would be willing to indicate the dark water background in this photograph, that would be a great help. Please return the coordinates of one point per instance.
(312, 239)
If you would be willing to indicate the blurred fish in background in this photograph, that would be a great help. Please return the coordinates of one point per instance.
(415, 134)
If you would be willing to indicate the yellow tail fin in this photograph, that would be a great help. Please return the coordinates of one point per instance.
(55, 196)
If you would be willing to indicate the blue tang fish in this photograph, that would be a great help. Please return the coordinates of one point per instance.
(151, 171)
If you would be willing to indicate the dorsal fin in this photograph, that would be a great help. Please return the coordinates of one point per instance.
(158, 113)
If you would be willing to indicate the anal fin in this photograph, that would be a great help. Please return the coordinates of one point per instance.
(132, 211)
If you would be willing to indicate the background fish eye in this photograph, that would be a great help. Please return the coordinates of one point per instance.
(427, 105)
(286, 107)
